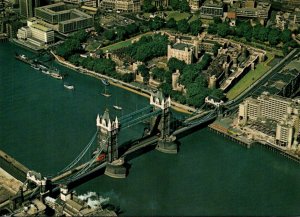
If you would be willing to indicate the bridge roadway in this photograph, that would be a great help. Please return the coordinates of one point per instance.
(141, 144)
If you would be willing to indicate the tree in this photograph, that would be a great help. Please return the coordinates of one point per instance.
(171, 23)
(184, 6)
(121, 33)
(166, 88)
(144, 72)
(189, 74)
(158, 74)
(274, 36)
(174, 4)
(98, 27)
(223, 29)
(195, 27)
(132, 29)
(212, 29)
(183, 26)
(156, 23)
(286, 35)
(217, 20)
(174, 64)
(74, 59)
(148, 6)
(109, 34)
(217, 93)
(263, 34)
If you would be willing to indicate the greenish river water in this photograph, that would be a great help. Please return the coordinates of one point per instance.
(44, 126)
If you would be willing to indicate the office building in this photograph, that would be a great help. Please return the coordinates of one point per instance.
(212, 8)
(68, 20)
(272, 111)
(36, 34)
(251, 9)
(132, 6)
(27, 7)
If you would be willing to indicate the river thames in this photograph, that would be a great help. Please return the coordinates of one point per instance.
(45, 126)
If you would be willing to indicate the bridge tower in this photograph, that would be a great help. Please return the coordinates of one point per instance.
(166, 141)
(107, 140)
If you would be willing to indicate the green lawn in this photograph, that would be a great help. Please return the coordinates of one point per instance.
(250, 78)
(121, 44)
(92, 46)
(177, 15)
(194, 17)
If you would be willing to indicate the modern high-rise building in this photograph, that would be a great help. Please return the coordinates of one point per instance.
(27, 7)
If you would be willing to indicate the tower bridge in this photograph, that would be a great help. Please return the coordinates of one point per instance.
(108, 155)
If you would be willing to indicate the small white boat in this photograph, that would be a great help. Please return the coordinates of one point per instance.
(106, 94)
(45, 72)
(55, 75)
(69, 87)
(35, 67)
(117, 107)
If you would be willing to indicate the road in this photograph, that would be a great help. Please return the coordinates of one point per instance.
(278, 67)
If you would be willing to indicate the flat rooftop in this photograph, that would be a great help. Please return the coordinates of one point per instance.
(213, 3)
(41, 27)
(182, 46)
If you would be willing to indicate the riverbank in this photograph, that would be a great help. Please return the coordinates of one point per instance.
(137, 90)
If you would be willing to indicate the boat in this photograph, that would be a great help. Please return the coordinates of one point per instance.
(69, 87)
(105, 82)
(55, 75)
(45, 72)
(117, 107)
(23, 58)
(42, 66)
(106, 94)
(35, 66)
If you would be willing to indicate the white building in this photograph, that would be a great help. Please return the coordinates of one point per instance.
(36, 34)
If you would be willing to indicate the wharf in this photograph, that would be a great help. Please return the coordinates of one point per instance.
(226, 132)
(219, 128)
(12, 175)
(13, 167)
(33, 48)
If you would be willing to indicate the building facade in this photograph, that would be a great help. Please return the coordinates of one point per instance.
(27, 7)
(132, 6)
(36, 34)
(272, 110)
(182, 51)
(212, 8)
(251, 9)
(68, 20)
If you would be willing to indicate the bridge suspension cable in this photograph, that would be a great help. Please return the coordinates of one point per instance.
(89, 164)
(137, 120)
(80, 156)
(131, 115)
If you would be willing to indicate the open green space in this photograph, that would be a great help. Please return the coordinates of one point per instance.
(93, 46)
(250, 78)
(194, 17)
(122, 44)
(177, 15)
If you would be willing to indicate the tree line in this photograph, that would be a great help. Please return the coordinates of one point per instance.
(258, 33)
